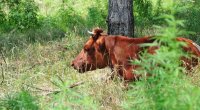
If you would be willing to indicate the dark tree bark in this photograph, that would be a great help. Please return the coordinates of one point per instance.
(120, 17)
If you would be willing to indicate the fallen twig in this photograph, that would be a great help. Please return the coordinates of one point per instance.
(54, 91)
(40, 89)
(76, 84)
(25, 70)
(106, 77)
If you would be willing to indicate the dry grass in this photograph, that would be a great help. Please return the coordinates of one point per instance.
(195, 76)
(43, 68)
(46, 66)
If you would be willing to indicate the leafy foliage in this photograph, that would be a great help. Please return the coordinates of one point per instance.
(39, 38)
(22, 14)
(72, 20)
(69, 20)
(190, 13)
(97, 14)
(19, 101)
(167, 88)
(71, 99)
(143, 12)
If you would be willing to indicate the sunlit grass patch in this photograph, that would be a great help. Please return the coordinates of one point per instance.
(194, 76)
(42, 68)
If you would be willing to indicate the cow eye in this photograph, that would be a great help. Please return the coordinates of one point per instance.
(101, 48)
(89, 50)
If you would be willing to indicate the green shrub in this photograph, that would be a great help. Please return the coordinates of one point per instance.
(71, 98)
(143, 12)
(72, 20)
(69, 20)
(167, 87)
(191, 15)
(22, 14)
(2, 16)
(97, 14)
(18, 15)
(19, 101)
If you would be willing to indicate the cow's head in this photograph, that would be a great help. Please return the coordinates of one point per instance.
(93, 55)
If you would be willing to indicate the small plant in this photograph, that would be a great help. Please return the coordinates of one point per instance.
(22, 14)
(97, 14)
(143, 12)
(167, 88)
(71, 98)
(69, 20)
(19, 101)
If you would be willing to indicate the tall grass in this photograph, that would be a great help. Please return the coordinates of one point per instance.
(35, 62)
(167, 86)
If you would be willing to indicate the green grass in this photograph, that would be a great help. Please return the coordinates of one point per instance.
(18, 101)
(47, 66)
(44, 65)
(36, 63)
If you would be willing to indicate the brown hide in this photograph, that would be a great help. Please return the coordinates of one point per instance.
(123, 49)
(93, 55)
(117, 51)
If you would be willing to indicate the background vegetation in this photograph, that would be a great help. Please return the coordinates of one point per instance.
(39, 39)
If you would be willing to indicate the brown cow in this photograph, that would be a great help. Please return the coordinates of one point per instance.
(101, 51)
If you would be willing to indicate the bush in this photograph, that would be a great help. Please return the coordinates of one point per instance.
(143, 12)
(191, 15)
(97, 14)
(71, 98)
(72, 20)
(69, 20)
(167, 86)
(18, 15)
(22, 14)
(2, 16)
(19, 101)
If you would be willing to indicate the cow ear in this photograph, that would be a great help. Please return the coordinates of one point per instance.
(97, 32)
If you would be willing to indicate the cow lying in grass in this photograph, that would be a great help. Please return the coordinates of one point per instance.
(102, 50)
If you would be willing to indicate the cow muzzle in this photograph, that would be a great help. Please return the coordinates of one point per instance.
(81, 68)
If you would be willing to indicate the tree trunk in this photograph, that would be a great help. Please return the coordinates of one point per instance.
(120, 17)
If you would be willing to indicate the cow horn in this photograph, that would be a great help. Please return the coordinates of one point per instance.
(91, 33)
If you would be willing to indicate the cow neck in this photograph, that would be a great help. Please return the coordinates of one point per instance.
(106, 53)
(107, 57)
(110, 41)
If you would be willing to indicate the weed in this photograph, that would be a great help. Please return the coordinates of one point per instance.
(19, 101)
